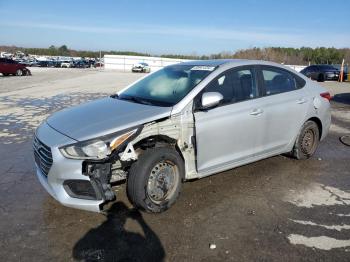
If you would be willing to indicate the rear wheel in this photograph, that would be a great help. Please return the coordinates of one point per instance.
(307, 141)
(154, 181)
(4, 74)
(19, 72)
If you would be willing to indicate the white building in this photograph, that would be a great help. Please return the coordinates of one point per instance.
(125, 63)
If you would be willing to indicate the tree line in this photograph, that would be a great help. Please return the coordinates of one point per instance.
(295, 56)
(291, 56)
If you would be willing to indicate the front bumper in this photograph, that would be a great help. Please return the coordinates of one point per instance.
(331, 76)
(62, 170)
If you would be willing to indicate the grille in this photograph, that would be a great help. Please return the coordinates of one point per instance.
(42, 155)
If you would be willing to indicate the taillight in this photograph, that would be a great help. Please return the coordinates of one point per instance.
(326, 95)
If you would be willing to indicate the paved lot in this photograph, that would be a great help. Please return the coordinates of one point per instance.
(277, 209)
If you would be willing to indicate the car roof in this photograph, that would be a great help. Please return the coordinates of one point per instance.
(213, 62)
(231, 62)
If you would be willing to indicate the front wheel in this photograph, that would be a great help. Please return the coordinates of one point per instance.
(320, 78)
(19, 72)
(307, 141)
(154, 181)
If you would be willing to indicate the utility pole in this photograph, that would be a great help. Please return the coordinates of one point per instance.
(341, 71)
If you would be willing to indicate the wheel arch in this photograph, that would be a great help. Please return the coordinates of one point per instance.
(318, 123)
(159, 140)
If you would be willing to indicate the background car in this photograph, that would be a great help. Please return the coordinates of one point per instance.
(321, 72)
(67, 64)
(45, 63)
(81, 64)
(98, 64)
(30, 63)
(141, 67)
(11, 67)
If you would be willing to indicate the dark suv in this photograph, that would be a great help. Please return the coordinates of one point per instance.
(321, 72)
(9, 66)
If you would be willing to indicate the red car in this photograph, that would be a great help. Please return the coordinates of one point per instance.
(9, 66)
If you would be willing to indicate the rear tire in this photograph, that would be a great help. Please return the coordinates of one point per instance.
(19, 72)
(154, 181)
(307, 141)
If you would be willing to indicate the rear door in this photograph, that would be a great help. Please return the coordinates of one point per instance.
(229, 132)
(284, 103)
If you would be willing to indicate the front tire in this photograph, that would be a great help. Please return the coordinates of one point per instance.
(307, 141)
(19, 72)
(320, 78)
(154, 181)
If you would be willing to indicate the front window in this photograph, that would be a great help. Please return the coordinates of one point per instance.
(235, 86)
(167, 86)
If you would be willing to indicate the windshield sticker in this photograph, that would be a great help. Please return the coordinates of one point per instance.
(203, 68)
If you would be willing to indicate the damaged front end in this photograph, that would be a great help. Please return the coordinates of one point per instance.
(104, 174)
(100, 177)
(176, 131)
(102, 165)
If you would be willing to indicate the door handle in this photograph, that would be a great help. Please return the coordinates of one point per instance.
(301, 101)
(256, 112)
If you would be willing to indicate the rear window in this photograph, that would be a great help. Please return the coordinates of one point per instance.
(278, 81)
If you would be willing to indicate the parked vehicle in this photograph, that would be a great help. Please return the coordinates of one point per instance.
(81, 64)
(98, 64)
(11, 67)
(182, 122)
(321, 72)
(141, 67)
(46, 63)
(28, 62)
(66, 64)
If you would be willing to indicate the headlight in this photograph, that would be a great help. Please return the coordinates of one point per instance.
(98, 148)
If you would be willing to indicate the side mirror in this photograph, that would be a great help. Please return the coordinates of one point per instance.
(211, 99)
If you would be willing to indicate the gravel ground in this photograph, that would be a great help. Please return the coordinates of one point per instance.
(278, 209)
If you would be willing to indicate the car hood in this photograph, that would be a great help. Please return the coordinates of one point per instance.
(104, 116)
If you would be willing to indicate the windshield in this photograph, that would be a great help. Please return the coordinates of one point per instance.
(167, 86)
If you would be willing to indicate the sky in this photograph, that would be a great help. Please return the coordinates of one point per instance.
(175, 27)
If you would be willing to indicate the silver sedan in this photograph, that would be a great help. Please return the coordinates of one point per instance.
(183, 122)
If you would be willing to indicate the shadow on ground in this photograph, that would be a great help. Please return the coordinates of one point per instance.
(111, 241)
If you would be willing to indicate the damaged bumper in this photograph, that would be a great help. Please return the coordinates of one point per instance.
(73, 183)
